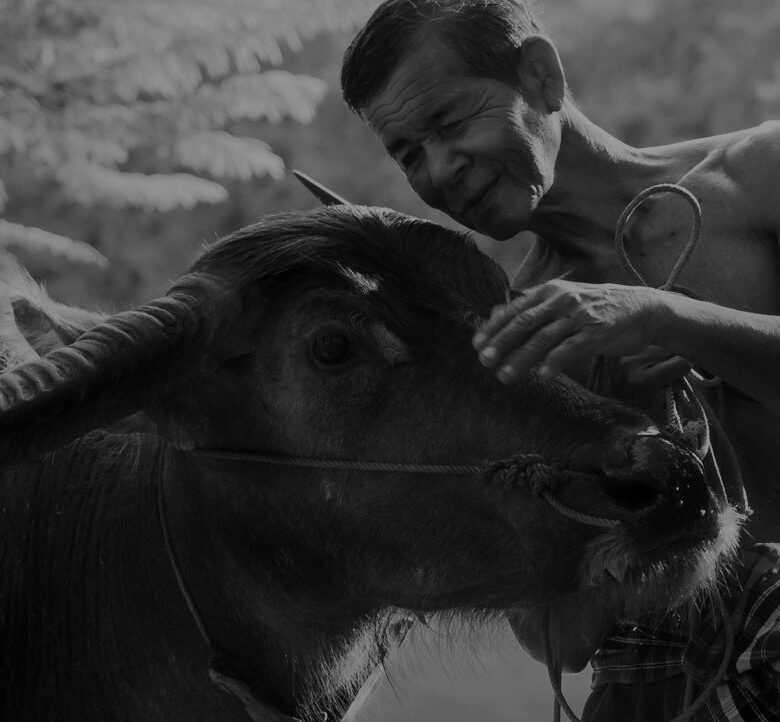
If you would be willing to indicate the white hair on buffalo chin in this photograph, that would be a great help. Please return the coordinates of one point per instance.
(662, 580)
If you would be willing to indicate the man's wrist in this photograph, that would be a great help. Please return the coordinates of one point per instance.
(665, 319)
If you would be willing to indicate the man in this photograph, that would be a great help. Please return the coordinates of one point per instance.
(469, 97)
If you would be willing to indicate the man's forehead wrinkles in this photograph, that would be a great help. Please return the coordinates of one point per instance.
(395, 116)
(414, 108)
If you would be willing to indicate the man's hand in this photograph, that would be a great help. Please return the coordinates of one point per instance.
(551, 326)
(651, 370)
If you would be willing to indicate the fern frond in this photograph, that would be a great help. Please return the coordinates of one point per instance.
(12, 136)
(271, 96)
(81, 146)
(36, 240)
(124, 126)
(91, 184)
(31, 83)
(222, 154)
(85, 82)
(169, 76)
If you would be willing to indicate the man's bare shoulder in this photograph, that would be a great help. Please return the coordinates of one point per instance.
(754, 150)
(743, 154)
(752, 161)
(761, 137)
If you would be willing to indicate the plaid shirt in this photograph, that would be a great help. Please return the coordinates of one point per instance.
(750, 691)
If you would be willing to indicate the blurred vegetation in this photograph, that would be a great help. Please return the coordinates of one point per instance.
(146, 128)
(135, 104)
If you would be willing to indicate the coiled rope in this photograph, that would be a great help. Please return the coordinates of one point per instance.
(693, 432)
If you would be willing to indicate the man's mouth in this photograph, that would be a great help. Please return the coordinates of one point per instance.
(478, 197)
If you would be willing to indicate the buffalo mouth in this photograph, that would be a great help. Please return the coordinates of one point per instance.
(672, 532)
(652, 508)
(659, 573)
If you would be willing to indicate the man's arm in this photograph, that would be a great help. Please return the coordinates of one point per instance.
(552, 325)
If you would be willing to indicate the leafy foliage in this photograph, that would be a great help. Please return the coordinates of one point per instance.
(127, 103)
(15, 236)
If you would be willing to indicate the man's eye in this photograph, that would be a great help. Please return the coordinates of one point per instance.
(409, 160)
(451, 125)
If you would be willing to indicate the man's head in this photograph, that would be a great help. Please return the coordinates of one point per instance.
(462, 93)
(486, 34)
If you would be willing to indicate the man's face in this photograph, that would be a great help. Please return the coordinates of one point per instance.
(473, 147)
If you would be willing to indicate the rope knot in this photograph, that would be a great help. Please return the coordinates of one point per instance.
(692, 434)
(525, 470)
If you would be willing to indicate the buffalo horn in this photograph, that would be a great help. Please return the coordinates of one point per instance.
(110, 371)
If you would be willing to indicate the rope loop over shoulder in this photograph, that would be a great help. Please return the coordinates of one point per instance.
(629, 210)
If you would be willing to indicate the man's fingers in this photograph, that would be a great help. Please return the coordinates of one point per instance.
(501, 315)
(521, 359)
(650, 355)
(577, 346)
(652, 376)
(519, 330)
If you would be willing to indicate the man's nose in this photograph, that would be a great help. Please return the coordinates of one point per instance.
(446, 165)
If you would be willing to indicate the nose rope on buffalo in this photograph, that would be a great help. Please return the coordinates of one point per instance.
(691, 430)
(520, 470)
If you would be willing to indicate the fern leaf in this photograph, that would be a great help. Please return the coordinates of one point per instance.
(81, 146)
(120, 127)
(91, 184)
(31, 83)
(272, 96)
(12, 136)
(223, 154)
(168, 77)
(36, 240)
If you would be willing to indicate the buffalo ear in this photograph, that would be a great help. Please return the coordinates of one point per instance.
(41, 331)
(27, 332)
(14, 346)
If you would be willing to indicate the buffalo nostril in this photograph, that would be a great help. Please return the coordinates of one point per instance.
(663, 486)
(636, 497)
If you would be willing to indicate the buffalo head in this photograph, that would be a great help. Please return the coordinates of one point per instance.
(344, 333)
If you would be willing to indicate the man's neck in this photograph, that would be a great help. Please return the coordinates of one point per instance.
(596, 176)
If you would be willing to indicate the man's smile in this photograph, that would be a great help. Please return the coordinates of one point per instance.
(476, 199)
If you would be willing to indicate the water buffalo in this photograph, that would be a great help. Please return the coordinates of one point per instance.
(133, 558)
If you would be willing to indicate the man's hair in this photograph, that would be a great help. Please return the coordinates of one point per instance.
(485, 33)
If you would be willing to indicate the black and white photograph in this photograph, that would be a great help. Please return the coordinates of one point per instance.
(389, 361)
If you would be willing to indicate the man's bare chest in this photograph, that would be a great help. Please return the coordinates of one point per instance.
(734, 262)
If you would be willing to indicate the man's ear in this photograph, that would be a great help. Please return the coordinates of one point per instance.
(541, 72)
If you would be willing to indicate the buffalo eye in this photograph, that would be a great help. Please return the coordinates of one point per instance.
(332, 349)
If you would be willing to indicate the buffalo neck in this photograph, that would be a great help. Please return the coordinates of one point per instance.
(239, 562)
(98, 618)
